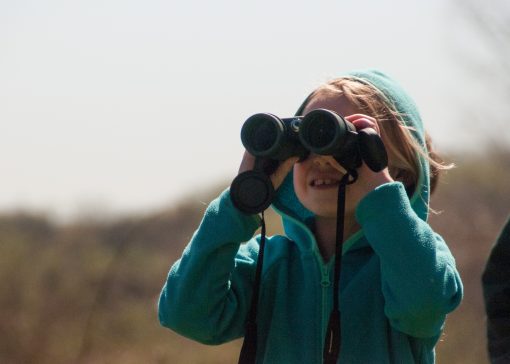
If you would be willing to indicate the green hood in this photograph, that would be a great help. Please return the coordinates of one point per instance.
(294, 214)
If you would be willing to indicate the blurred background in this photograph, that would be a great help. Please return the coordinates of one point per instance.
(120, 121)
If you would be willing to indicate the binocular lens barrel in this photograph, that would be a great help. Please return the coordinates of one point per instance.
(322, 131)
(261, 134)
(319, 132)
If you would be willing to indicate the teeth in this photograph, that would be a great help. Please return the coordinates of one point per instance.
(327, 181)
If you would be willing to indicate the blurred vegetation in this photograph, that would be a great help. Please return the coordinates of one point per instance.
(86, 292)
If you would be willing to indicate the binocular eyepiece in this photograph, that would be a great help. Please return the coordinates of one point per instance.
(272, 140)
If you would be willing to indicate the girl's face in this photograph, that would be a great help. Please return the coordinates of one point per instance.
(316, 178)
(316, 182)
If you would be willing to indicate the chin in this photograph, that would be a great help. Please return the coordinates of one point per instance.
(323, 212)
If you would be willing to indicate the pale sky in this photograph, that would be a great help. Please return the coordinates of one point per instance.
(132, 105)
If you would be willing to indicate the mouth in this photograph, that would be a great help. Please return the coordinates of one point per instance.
(324, 183)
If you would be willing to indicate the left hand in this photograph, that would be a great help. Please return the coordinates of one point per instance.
(368, 180)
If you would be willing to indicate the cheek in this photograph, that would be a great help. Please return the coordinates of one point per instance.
(299, 180)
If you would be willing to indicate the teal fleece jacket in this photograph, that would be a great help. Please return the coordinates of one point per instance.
(398, 278)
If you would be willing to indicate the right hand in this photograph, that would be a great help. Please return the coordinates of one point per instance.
(277, 177)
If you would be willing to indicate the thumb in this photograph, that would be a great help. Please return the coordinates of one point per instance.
(282, 171)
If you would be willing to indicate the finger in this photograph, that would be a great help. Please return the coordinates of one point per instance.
(327, 160)
(363, 122)
(333, 163)
(247, 163)
(282, 171)
(352, 117)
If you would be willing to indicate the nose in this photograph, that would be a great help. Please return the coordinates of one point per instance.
(321, 160)
(325, 162)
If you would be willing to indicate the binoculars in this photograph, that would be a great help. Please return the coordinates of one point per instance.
(272, 140)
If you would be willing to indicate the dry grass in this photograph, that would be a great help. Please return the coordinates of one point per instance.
(86, 292)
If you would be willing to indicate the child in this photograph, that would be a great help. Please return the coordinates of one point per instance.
(398, 278)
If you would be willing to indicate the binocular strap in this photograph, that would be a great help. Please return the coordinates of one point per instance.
(249, 349)
(334, 331)
(332, 342)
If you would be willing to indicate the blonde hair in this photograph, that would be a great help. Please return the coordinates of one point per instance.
(403, 149)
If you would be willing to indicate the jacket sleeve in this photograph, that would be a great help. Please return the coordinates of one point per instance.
(208, 290)
(496, 290)
(420, 282)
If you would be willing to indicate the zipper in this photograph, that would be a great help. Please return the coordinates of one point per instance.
(326, 284)
(325, 269)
